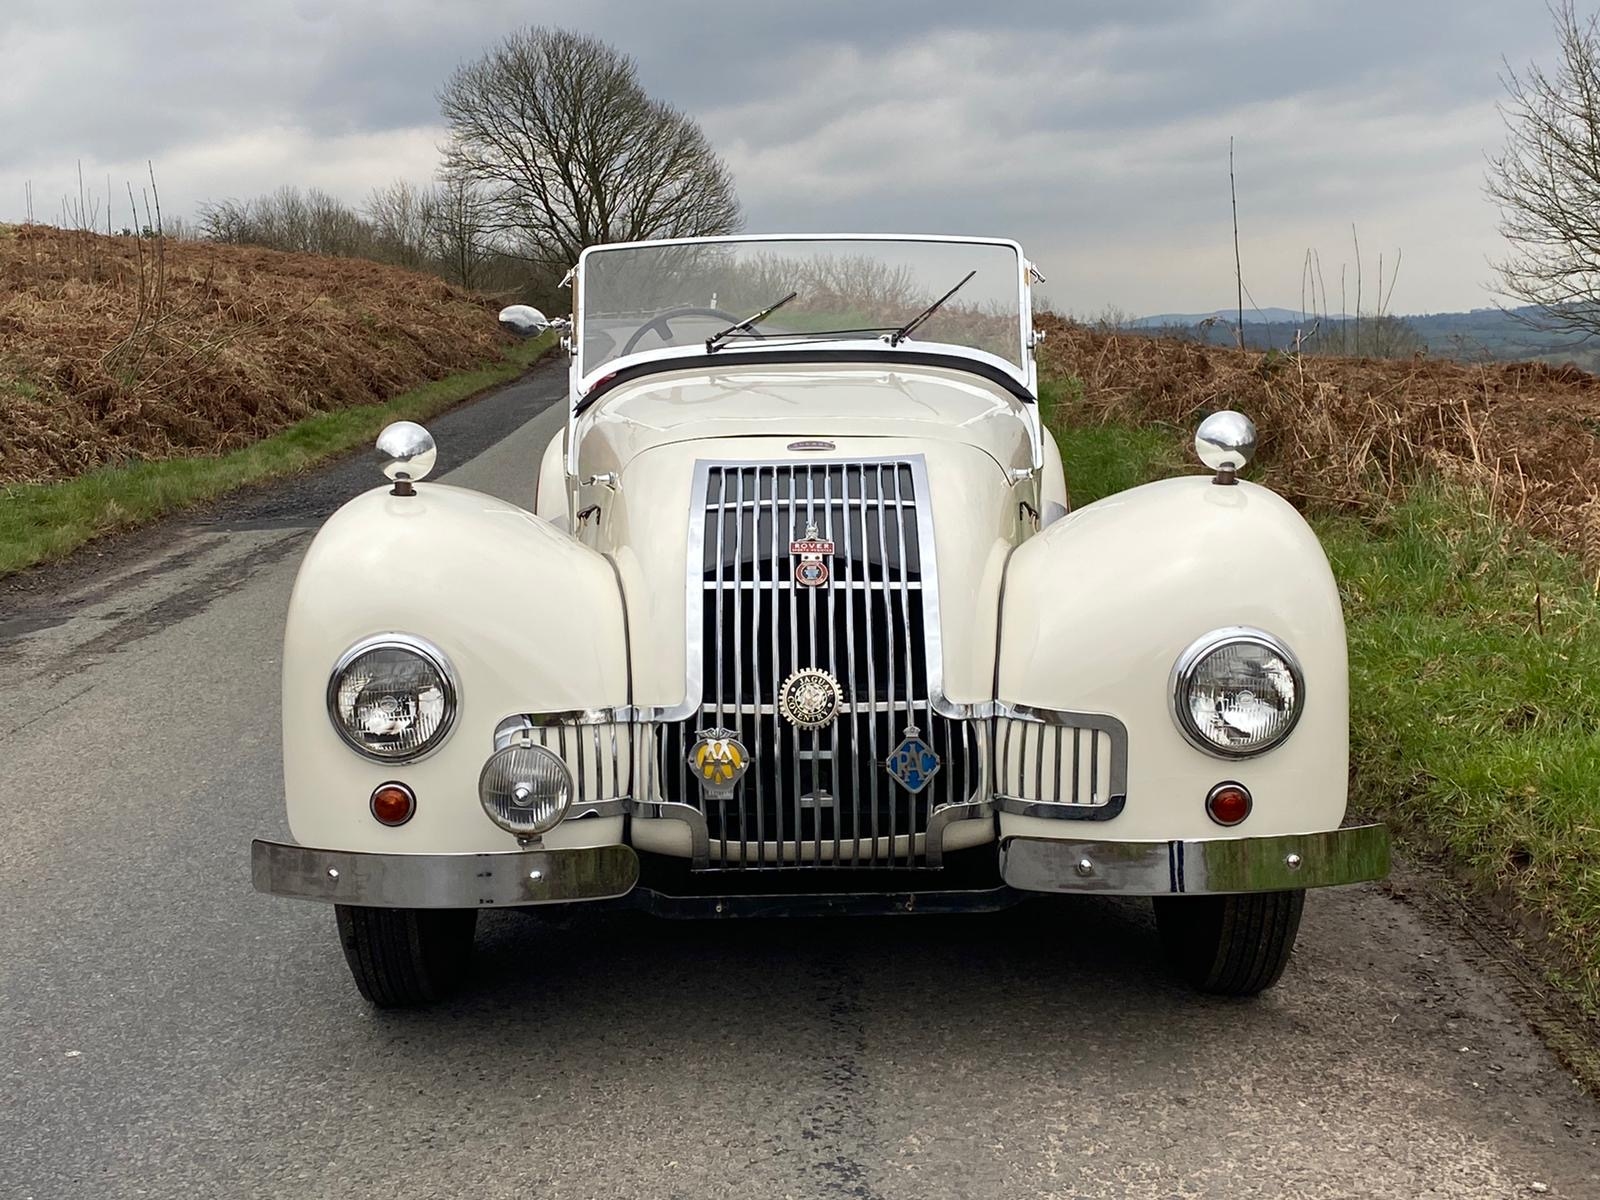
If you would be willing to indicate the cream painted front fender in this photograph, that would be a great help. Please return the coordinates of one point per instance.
(1098, 608)
(529, 619)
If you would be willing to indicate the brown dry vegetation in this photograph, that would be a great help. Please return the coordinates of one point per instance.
(1356, 433)
(119, 348)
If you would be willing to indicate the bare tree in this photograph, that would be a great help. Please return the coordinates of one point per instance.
(461, 244)
(1546, 180)
(568, 149)
(404, 221)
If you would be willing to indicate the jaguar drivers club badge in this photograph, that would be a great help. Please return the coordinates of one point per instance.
(811, 558)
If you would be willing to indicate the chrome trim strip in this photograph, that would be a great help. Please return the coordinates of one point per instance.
(1105, 797)
(1200, 867)
(699, 835)
(442, 880)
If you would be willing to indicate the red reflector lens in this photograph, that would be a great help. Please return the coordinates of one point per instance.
(1228, 803)
(393, 804)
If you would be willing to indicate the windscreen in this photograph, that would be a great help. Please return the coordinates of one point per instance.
(634, 299)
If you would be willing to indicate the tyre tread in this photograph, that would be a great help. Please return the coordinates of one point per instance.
(405, 957)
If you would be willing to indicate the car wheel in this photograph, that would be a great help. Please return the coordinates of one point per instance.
(403, 957)
(1230, 945)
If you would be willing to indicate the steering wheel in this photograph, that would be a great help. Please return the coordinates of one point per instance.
(661, 322)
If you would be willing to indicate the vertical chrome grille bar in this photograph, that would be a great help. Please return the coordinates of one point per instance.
(1094, 767)
(739, 603)
(872, 669)
(1055, 778)
(1038, 766)
(796, 738)
(777, 593)
(889, 657)
(763, 597)
(720, 598)
(1076, 759)
(852, 675)
(831, 599)
(905, 525)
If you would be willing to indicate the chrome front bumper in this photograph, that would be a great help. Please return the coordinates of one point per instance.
(525, 877)
(442, 880)
(1260, 864)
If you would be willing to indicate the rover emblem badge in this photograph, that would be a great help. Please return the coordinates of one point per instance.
(812, 554)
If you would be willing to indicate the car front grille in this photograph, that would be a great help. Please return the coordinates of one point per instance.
(816, 797)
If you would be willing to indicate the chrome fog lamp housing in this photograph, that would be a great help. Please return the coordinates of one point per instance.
(1237, 692)
(393, 697)
(526, 790)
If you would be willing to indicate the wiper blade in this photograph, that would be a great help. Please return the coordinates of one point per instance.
(900, 335)
(798, 335)
(716, 339)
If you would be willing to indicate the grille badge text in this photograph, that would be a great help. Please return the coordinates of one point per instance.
(912, 764)
(812, 552)
(810, 698)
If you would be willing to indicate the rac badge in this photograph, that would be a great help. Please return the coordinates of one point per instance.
(810, 698)
(719, 760)
(912, 763)
(813, 553)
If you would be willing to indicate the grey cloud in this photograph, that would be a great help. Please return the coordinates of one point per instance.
(1095, 132)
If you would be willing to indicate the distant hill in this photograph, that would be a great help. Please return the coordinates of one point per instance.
(1481, 335)
(1252, 316)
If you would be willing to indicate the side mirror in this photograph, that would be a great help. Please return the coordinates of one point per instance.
(525, 321)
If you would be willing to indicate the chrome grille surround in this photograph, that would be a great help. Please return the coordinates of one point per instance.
(1054, 763)
(817, 797)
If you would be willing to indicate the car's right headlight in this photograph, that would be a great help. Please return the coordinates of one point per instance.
(1237, 692)
(392, 698)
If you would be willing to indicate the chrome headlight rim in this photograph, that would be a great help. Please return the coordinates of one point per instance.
(421, 647)
(1187, 666)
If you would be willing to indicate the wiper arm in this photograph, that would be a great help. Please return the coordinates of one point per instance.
(900, 335)
(716, 339)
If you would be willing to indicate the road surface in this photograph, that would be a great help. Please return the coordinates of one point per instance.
(164, 1031)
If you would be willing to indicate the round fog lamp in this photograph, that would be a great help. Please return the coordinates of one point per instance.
(526, 790)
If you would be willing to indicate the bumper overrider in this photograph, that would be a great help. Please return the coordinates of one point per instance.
(529, 877)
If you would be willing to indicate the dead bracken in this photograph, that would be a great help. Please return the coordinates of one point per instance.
(115, 349)
(1357, 433)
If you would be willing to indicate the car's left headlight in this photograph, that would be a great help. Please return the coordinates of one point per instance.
(1237, 692)
(393, 697)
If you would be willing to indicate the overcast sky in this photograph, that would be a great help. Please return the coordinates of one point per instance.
(1095, 132)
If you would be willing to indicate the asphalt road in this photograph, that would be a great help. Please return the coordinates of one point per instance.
(164, 1031)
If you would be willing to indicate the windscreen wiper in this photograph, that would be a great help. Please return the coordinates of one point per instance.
(716, 339)
(900, 335)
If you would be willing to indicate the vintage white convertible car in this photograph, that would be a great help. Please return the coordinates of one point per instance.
(804, 622)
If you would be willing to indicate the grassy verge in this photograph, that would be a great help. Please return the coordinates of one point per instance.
(1475, 687)
(40, 522)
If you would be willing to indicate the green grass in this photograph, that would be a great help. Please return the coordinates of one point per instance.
(1475, 687)
(40, 522)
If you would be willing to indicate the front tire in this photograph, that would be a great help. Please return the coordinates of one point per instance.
(405, 957)
(1233, 945)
